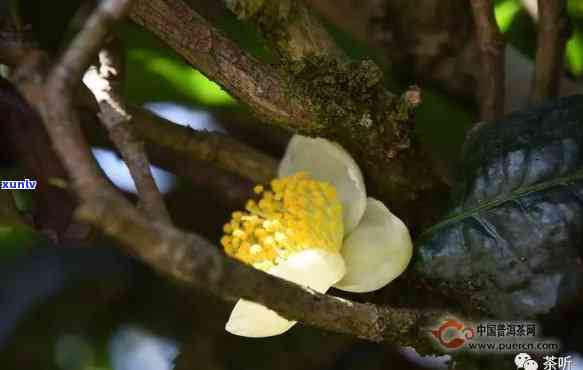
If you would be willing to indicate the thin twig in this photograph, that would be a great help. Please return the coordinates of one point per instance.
(186, 257)
(553, 32)
(216, 148)
(208, 160)
(105, 83)
(491, 44)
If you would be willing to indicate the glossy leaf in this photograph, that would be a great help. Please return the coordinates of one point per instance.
(511, 242)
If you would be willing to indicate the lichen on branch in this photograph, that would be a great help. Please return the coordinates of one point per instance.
(288, 25)
(351, 104)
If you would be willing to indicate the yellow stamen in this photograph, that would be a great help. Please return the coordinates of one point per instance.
(296, 214)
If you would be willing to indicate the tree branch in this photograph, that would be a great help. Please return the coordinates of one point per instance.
(53, 98)
(226, 167)
(491, 44)
(185, 257)
(434, 42)
(218, 149)
(23, 128)
(291, 28)
(192, 260)
(553, 32)
(104, 82)
(173, 146)
(258, 85)
(318, 96)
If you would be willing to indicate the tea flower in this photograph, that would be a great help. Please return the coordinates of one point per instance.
(315, 227)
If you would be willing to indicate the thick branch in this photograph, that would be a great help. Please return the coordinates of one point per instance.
(189, 258)
(289, 26)
(258, 85)
(553, 32)
(491, 44)
(23, 129)
(192, 260)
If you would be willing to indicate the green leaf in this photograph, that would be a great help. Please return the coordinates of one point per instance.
(510, 243)
(574, 53)
(15, 235)
(505, 11)
(156, 73)
(182, 77)
(575, 8)
(15, 239)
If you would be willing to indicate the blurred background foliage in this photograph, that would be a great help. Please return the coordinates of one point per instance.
(155, 73)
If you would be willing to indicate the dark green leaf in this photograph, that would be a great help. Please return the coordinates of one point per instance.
(511, 241)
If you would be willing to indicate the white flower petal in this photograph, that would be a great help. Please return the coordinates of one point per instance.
(314, 268)
(327, 161)
(377, 251)
(250, 319)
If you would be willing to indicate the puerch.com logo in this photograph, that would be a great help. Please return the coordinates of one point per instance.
(452, 334)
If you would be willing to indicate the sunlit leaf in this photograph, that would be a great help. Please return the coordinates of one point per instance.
(185, 79)
(156, 73)
(505, 11)
(574, 53)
